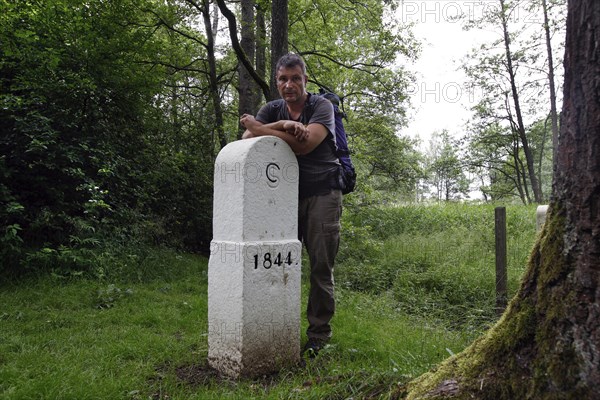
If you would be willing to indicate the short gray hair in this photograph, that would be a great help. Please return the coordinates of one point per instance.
(290, 60)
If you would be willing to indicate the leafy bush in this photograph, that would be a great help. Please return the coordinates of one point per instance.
(358, 244)
(89, 158)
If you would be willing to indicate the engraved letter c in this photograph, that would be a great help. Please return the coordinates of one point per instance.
(270, 177)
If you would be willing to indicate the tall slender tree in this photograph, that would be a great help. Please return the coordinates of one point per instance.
(518, 124)
(444, 169)
(551, 78)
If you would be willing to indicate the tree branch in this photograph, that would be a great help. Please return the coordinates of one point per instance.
(241, 55)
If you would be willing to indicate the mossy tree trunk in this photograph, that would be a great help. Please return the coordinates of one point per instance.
(547, 343)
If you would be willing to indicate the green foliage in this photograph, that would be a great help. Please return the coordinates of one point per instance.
(444, 170)
(494, 155)
(110, 295)
(355, 54)
(90, 156)
(453, 282)
(359, 243)
(110, 127)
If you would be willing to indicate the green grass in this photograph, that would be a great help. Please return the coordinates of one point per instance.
(438, 261)
(85, 339)
(404, 303)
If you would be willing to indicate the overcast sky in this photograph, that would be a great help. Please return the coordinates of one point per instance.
(439, 98)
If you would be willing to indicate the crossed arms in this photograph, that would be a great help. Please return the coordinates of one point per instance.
(302, 139)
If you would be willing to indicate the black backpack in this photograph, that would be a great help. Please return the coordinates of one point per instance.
(347, 178)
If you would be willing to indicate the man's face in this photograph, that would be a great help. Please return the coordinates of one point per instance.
(291, 83)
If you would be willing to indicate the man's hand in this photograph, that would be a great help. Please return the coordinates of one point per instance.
(248, 121)
(297, 129)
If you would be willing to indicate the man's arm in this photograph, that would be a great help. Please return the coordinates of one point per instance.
(302, 139)
(256, 128)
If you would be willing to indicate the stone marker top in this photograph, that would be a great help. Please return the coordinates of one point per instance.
(257, 185)
(540, 216)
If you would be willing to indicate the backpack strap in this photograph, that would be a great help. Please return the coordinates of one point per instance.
(309, 108)
(275, 111)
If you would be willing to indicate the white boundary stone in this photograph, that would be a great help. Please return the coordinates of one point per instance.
(254, 266)
(540, 216)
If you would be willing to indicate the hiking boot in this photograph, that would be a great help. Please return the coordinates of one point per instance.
(313, 346)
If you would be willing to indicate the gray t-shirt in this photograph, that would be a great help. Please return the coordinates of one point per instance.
(318, 169)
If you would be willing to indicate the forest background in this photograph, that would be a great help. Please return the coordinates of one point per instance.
(112, 113)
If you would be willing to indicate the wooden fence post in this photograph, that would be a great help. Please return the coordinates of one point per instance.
(501, 276)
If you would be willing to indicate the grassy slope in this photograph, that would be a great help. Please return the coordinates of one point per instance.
(83, 339)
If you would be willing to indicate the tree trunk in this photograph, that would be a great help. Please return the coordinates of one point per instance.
(577, 186)
(215, 25)
(212, 74)
(520, 173)
(261, 45)
(520, 181)
(553, 113)
(279, 38)
(248, 103)
(239, 52)
(547, 343)
(542, 152)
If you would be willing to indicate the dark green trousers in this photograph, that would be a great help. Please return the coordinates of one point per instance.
(319, 230)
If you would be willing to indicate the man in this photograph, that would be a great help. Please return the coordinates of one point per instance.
(306, 123)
